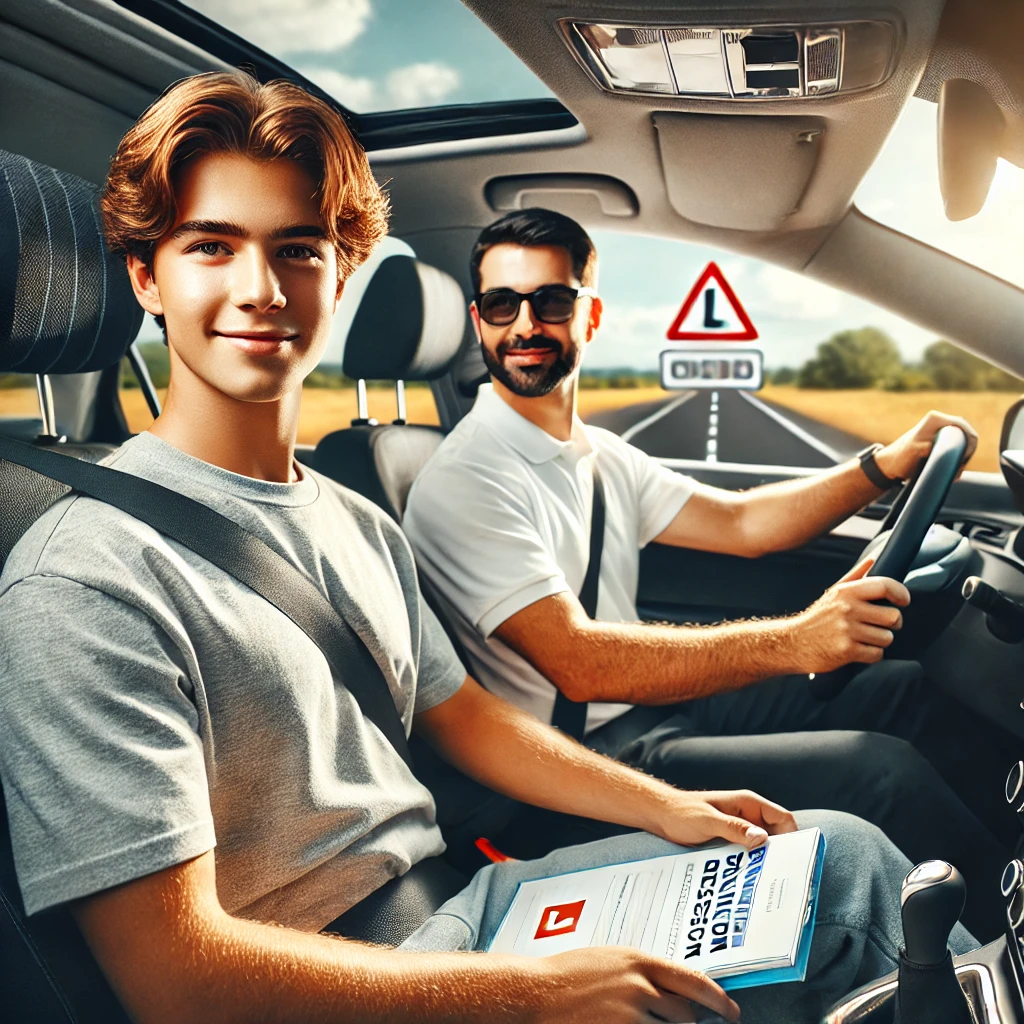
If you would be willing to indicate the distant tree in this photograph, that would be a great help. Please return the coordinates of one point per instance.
(783, 375)
(952, 368)
(861, 358)
(909, 378)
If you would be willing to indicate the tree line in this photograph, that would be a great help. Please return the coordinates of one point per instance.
(862, 358)
(868, 358)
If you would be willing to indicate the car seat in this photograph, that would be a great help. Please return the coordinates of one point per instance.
(66, 306)
(409, 326)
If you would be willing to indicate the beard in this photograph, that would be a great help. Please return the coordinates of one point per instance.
(531, 381)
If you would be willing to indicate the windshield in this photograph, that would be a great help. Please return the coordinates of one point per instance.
(902, 191)
(374, 55)
(825, 373)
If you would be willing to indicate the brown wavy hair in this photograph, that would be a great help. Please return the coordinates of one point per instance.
(232, 112)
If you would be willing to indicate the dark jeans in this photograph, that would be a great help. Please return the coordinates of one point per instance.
(855, 753)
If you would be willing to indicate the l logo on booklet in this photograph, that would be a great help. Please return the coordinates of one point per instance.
(559, 920)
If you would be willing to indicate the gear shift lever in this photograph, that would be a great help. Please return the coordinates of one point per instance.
(928, 992)
(932, 898)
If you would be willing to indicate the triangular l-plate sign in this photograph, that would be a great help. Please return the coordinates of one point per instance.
(711, 320)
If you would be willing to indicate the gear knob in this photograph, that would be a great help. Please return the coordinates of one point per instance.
(932, 899)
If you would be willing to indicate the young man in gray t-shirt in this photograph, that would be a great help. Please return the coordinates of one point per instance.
(189, 768)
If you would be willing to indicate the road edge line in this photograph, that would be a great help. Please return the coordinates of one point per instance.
(642, 425)
(827, 450)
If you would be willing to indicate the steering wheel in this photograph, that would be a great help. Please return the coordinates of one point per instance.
(918, 505)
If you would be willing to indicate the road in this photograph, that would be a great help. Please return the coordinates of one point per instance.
(729, 426)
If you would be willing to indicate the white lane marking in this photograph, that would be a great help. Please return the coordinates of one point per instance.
(711, 452)
(655, 416)
(809, 439)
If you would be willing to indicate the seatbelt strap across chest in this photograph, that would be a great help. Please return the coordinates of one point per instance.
(242, 555)
(569, 715)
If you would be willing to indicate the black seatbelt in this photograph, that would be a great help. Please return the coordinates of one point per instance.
(240, 554)
(569, 715)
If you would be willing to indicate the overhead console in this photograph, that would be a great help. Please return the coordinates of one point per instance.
(735, 62)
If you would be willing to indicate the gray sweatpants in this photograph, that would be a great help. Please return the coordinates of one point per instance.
(856, 938)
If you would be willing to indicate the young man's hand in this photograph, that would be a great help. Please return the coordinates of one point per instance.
(899, 459)
(690, 818)
(614, 985)
(844, 624)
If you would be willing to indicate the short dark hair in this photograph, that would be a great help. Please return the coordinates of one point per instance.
(535, 227)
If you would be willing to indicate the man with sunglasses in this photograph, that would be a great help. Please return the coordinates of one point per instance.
(500, 520)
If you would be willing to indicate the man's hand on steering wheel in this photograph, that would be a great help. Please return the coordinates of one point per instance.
(899, 459)
(844, 626)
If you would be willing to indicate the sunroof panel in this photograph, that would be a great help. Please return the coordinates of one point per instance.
(378, 55)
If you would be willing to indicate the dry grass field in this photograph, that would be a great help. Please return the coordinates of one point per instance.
(594, 400)
(884, 415)
(880, 415)
(18, 402)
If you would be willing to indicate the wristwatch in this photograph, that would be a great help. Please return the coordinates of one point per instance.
(872, 470)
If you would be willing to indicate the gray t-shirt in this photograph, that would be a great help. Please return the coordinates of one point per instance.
(152, 707)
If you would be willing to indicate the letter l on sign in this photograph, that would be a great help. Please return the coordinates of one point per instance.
(559, 920)
(717, 316)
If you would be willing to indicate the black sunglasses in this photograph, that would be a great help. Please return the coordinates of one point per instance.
(551, 304)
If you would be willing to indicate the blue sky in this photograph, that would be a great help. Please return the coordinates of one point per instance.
(384, 54)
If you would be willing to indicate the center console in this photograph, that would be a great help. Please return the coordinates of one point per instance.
(927, 988)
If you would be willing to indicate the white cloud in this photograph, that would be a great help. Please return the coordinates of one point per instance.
(320, 25)
(421, 85)
(783, 293)
(357, 94)
(631, 336)
(416, 85)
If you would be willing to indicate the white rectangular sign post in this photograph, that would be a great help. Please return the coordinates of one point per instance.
(716, 366)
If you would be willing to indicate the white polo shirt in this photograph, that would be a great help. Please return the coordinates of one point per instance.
(500, 518)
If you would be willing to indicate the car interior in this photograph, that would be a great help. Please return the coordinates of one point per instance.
(749, 129)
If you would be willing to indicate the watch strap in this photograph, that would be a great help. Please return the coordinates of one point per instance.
(872, 470)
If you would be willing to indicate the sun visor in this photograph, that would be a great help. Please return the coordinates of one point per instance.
(738, 172)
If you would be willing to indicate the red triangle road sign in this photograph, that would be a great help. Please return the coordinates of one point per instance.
(711, 320)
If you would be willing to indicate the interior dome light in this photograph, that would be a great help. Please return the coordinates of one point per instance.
(767, 62)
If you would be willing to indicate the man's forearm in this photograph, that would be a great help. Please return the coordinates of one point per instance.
(645, 663)
(641, 663)
(789, 513)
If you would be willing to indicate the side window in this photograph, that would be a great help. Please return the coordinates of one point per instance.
(328, 397)
(19, 405)
(154, 353)
(835, 371)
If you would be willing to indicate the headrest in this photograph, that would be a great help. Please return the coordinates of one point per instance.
(66, 305)
(409, 324)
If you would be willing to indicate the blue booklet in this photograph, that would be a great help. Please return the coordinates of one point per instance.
(744, 917)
